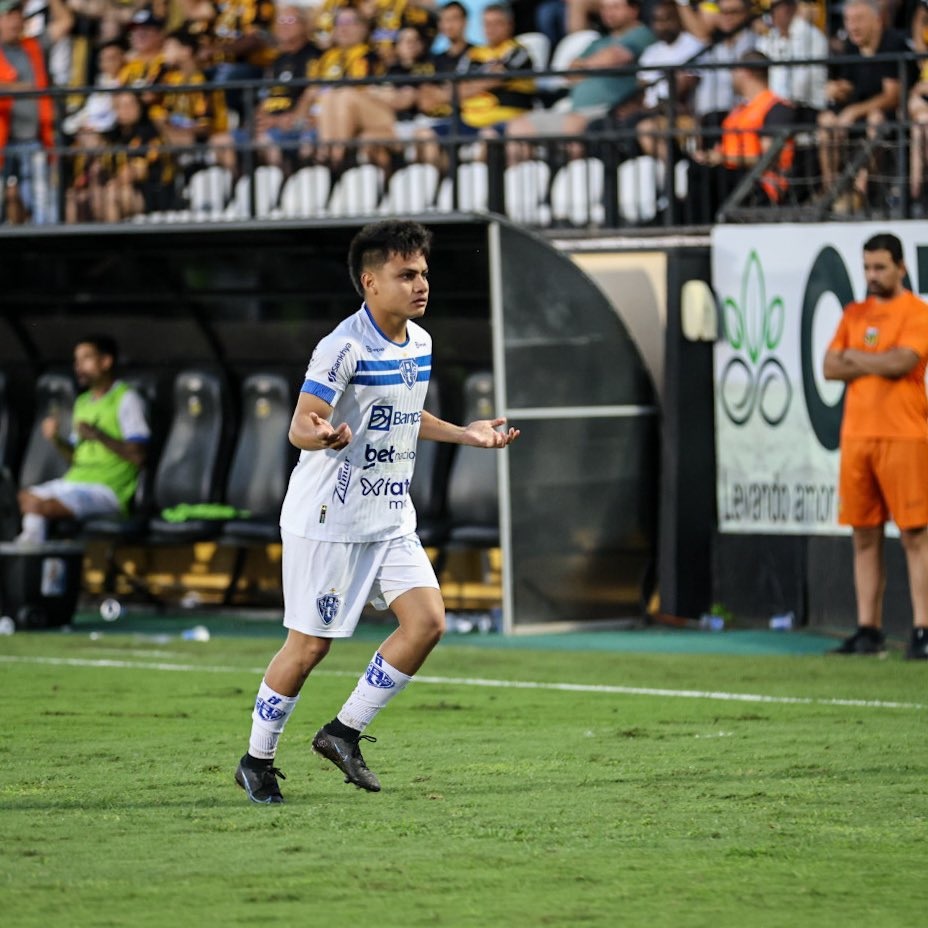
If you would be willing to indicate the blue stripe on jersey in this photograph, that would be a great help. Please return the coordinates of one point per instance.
(318, 389)
(423, 361)
(385, 380)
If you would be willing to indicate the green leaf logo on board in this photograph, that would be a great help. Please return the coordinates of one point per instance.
(754, 378)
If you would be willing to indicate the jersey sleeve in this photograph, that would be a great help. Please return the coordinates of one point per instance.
(132, 419)
(839, 340)
(330, 369)
(914, 334)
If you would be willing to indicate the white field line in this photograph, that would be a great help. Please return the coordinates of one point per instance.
(605, 689)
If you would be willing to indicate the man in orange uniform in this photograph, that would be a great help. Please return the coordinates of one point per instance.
(880, 351)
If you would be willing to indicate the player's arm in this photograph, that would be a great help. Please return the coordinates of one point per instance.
(310, 428)
(134, 452)
(852, 363)
(483, 433)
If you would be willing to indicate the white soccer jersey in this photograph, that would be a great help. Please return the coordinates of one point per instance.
(378, 388)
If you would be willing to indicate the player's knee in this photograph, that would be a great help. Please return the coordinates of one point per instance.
(306, 650)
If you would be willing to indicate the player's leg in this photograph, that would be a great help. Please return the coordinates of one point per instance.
(406, 583)
(862, 506)
(324, 588)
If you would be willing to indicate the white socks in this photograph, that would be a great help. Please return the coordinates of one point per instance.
(376, 687)
(268, 720)
(34, 528)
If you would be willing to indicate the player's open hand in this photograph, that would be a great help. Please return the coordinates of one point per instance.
(328, 435)
(485, 433)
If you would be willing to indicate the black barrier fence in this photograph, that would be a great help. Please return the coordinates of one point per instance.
(634, 168)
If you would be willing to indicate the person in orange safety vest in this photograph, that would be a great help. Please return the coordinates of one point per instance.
(747, 133)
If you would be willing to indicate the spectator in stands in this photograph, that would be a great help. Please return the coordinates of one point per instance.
(105, 451)
(393, 17)
(493, 99)
(918, 113)
(187, 118)
(98, 107)
(455, 59)
(551, 20)
(145, 62)
(85, 199)
(714, 95)
(26, 123)
(674, 46)
(792, 38)
(341, 113)
(140, 173)
(241, 44)
(278, 136)
(862, 95)
(595, 96)
(747, 133)
(51, 22)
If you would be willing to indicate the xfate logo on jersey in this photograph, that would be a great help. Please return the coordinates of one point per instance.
(389, 455)
(383, 418)
(398, 489)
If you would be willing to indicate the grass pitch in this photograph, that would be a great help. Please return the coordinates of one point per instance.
(645, 796)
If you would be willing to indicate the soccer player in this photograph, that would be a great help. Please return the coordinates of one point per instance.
(348, 525)
(105, 452)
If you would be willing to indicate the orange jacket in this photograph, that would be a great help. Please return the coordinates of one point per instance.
(8, 75)
(741, 141)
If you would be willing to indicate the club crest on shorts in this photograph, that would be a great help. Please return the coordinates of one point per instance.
(328, 605)
(409, 369)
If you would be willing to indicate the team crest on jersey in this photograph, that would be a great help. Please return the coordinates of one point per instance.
(409, 369)
(328, 605)
(871, 336)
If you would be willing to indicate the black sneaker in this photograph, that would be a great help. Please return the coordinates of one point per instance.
(866, 640)
(918, 645)
(346, 755)
(259, 782)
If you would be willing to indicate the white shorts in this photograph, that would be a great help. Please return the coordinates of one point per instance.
(83, 499)
(326, 584)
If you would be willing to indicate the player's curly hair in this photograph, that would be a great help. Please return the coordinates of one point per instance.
(376, 243)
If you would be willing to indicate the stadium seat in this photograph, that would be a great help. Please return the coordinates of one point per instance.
(357, 191)
(639, 180)
(473, 487)
(118, 531)
(208, 191)
(7, 424)
(189, 470)
(412, 189)
(268, 179)
(54, 393)
(306, 192)
(526, 191)
(473, 189)
(427, 490)
(261, 464)
(577, 192)
(570, 47)
(538, 46)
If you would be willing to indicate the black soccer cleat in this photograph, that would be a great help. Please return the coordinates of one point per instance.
(346, 755)
(866, 640)
(918, 646)
(260, 783)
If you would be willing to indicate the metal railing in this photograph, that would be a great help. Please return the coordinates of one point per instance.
(599, 180)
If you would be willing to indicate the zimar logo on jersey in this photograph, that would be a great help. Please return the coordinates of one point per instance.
(377, 676)
(342, 479)
(267, 709)
(328, 605)
(383, 418)
(374, 456)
